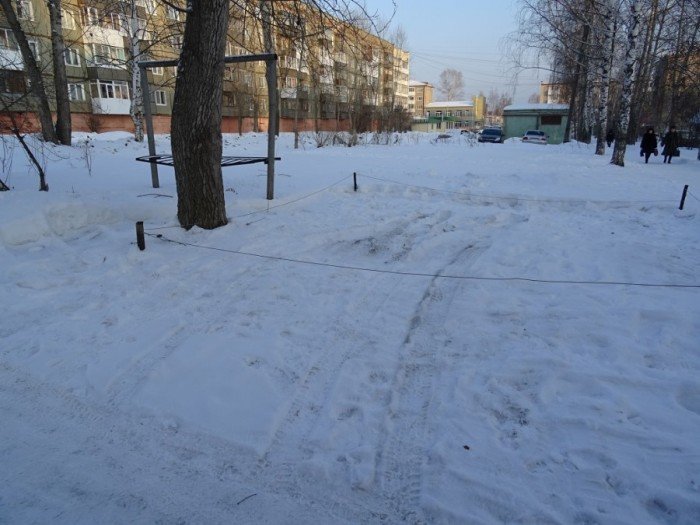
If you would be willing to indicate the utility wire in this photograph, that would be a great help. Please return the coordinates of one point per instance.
(424, 274)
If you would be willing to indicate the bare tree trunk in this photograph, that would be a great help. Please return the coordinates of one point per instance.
(36, 87)
(196, 120)
(136, 109)
(618, 157)
(60, 79)
(576, 81)
(604, 62)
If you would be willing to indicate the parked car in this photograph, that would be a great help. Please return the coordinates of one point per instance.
(535, 136)
(491, 135)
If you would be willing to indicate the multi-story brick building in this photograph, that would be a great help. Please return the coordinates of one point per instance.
(331, 75)
(420, 94)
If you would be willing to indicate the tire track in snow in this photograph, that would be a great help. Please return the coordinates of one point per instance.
(279, 463)
(402, 453)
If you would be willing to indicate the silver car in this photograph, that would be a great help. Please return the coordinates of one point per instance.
(535, 136)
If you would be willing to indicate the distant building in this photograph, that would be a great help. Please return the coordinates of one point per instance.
(452, 114)
(554, 93)
(419, 95)
(550, 118)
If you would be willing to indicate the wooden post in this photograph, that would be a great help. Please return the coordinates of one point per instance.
(140, 238)
(685, 193)
(354, 180)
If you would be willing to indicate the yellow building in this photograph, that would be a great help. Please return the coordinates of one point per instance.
(419, 95)
(331, 74)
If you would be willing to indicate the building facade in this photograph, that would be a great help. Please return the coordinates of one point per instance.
(331, 75)
(453, 114)
(420, 94)
(550, 118)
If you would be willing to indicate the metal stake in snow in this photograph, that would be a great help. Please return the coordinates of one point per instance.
(354, 180)
(140, 238)
(685, 194)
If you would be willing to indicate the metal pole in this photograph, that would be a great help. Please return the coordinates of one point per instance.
(272, 103)
(149, 124)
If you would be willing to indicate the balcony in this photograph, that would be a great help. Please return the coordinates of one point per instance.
(111, 106)
(105, 35)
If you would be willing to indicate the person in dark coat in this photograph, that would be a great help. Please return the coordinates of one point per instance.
(671, 142)
(649, 144)
(610, 137)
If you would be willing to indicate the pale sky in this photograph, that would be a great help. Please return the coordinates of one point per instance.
(465, 35)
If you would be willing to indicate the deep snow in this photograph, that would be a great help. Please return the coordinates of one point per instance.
(369, 356)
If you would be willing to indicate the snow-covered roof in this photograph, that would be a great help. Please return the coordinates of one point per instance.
(418, 83)
(525, 107)
(450, 104)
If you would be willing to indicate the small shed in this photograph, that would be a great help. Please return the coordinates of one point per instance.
(550, 118)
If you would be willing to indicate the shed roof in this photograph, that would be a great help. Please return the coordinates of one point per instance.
(536, 107)
(450, 104)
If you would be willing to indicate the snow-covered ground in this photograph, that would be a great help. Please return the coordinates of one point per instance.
(448, 344)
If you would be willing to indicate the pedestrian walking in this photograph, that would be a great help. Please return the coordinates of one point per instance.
(670, 143)
(649, 145)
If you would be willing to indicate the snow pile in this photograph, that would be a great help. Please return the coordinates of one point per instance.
(479, 334)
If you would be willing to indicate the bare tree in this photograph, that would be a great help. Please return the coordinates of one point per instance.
(497, 101)
(197, 109)
(196, 119)
(632, 20)
(58, 51)
(451, 84)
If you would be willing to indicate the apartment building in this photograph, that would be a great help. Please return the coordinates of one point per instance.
(419, 95)
(331, 75)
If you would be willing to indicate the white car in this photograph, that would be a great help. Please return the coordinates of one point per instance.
(535, 136)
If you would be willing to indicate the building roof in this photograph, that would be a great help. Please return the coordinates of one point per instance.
(536, 107)
(450, 104)
(418, 83)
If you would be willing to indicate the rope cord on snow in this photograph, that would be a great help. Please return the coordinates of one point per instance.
(693, 196)
(269, 207)
(423, 274)
(515, 198)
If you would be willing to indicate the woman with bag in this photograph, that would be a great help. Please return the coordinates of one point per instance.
(671, 142)
(649, 145)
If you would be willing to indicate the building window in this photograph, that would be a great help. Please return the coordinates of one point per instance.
(7, 39)
(34, 46)
(115, 21)
(67, 19)
(71, 57)
(159, 97)
(157, 70)
(176, 42)
(172, 13)
(550, 120)
(110, 89)
(149, 5)
(25, 10)
(91, 16)
(438, 113)
(290, 82)
(103, 55)
(76, 92)
(12, 82)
